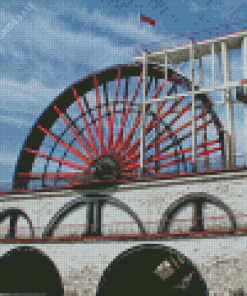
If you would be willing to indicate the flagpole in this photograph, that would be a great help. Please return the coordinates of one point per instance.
(139, 34)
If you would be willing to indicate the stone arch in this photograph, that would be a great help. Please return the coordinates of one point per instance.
(133, 272)
(196, 197)
(79, 202)
(29, 270)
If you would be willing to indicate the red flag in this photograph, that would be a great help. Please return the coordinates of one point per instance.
(146, 19)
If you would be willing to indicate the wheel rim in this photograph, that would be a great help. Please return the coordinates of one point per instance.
(89, 129)
(14, 214)
(198, 200)
(94, 205)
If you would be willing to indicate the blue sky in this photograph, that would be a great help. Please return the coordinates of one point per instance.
(55, 43)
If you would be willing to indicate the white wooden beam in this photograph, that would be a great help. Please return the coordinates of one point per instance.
(194, 136)
(142, 127)
(244, 59)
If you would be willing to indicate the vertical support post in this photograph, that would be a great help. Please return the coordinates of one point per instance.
(213, 71)
(194, 137)
(220, 70)
(94, 217)
(198, 223)
(97, 220)
(244, 59)
(176, 155)
(12, 226)
(204, 118)
(174, 137)
(228, 101)
(90, 218)
(204, 139)
(157, 128)
(142, 127)
(166, 74)
(201, 77)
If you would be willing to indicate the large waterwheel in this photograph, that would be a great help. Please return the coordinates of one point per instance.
(91, 131)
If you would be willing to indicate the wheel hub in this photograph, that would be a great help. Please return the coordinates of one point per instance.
(105, 168)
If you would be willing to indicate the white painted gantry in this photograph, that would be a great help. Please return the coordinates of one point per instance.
(188, 53)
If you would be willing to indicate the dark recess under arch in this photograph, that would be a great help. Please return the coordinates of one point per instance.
(132, 273)
(29, 270)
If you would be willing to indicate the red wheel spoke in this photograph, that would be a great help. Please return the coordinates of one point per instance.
(113, 111)
(208, 105)
(206, 152)
(137, 164)
(151, 158)
(134, 157)
(72, 130)
(93, 120)
(134, 146)
(99, 131)
(107, 130)
(184, 150)
(177, 130)
(153, 122)
(83, 114)
(132, 149)
(105, 90)
(57, 159)
(167, 155)
(120, 144)
(130, 135)
(163, 115)
(186, 136)
(66, 145)
(157, 92)
(123, 116)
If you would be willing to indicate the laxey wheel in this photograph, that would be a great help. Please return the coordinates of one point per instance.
(151, 270)
(91, 131)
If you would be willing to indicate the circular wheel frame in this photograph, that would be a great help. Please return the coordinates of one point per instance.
(14, 214)
(92, 130)
(198, 200)
(151, 270)
(94, 204)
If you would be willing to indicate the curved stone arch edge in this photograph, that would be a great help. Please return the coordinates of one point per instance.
(82, 201)
(178, 204)
(167, 249)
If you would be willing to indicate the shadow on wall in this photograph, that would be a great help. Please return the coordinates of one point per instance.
(28, 270)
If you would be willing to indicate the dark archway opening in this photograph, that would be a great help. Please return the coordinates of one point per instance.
(136, 272)
(28, 270)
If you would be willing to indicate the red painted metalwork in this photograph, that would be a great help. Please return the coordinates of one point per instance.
(123, 119)
(99, 131)
(63, 143)
(111, 119)
(57, 159)
(98, 150)
(83, 114)
(194, 234)
(73, 130)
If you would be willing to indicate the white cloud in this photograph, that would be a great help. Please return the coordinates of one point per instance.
(7, 157)
(16, 121)
(228, 9)
(195, 7)
(27, 98)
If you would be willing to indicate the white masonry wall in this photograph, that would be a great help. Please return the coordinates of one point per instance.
(221, 261)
